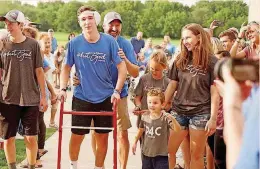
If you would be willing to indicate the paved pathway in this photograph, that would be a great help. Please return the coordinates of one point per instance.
(86, 159)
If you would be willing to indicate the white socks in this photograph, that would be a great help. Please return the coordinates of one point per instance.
(73, 164)
(98, 168)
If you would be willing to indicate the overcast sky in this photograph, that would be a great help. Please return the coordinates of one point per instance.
(185, 2)
(34, 2)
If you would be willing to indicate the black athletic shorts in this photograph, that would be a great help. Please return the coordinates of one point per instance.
(12, 114)
(85, 121)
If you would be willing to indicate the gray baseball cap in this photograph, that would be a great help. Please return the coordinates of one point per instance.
(110, 16)
(13, 16)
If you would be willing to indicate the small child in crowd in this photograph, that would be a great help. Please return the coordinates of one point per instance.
(154, 129)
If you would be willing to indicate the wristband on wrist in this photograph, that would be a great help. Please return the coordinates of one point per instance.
(117, 91)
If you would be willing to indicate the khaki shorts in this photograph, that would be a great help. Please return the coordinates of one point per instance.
(123, 119)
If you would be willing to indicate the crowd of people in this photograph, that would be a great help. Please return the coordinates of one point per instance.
(179, 101)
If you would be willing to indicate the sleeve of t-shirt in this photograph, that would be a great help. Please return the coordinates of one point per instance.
(38, 56)
(114, 49)
(141, 124)
(212, 65)
(45, 64)
(69, 58)
(173, 73)
(130, 53)
(131, 41)
(139, 88)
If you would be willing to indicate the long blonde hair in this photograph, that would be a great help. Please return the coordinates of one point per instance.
(201, 56)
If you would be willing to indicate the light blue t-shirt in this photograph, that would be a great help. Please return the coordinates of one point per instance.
(148, 53)
(54, 45)
(93, 66)
(46, 65)
(129, 52)
(249, 154)
(171, 48)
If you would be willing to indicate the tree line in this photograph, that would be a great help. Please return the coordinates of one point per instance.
(154, 18)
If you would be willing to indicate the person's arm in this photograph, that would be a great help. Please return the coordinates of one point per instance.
(52, 92)
(212, 123)
(41, 82)
(171, 88)
(233, 130)
(233, 50)
(121, 67)
(65, 76)
(175, 126)
(137, 101)
(137, 137)
(234, 121)
(132, 69)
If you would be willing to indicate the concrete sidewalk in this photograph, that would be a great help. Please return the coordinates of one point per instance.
(86, 158)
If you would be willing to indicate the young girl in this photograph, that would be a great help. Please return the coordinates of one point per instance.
(196, 102)
(155, 128)
(141, 61)
(45, 44)
(153, 79)
(148, 48)
(59, 56)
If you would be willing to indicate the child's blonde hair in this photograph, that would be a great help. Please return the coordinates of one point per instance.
(43, 35)
(159, 56)
(156, 92)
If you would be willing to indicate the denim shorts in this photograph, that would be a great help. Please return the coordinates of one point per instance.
(197, 122)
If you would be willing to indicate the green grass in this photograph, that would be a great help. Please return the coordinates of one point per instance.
(20, 150)
(62, 39)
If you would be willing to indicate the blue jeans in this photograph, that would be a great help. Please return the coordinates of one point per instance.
(197, 122)
(158, 162)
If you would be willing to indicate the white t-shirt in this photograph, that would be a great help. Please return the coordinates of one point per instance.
(50, 60)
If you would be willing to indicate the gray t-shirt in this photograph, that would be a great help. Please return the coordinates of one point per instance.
(156, 135)
(147, 82)
(193, 91)
(19, 85)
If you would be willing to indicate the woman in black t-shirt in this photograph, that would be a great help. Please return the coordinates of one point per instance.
(196, 101)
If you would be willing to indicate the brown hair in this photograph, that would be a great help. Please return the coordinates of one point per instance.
(224, 53)
(230, 34)
(156, 92)
(85, 8)
(159, 56)
(32, 31)
(200, 58)
(58, 50)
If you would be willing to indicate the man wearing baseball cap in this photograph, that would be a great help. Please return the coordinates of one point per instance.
(92, 54)
(21, 85)
(112, 25)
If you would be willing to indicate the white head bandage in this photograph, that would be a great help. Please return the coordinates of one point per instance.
(96, 15)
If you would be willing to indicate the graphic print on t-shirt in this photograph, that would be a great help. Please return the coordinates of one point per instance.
(93, 56)
(195, 71)
(152, 131)
(19, 54)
